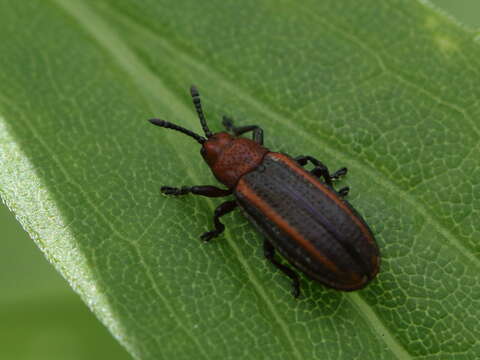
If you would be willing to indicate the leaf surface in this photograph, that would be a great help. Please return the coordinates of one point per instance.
(388, 89)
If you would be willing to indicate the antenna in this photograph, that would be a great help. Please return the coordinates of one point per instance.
(198, 107)
(169, 125)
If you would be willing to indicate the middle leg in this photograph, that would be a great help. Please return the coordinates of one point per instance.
(320, 169)
(221, 210)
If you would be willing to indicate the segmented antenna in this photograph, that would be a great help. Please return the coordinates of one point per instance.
(198, 107)
(169, 125)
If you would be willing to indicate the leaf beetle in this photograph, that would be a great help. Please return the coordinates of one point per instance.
(298, 211)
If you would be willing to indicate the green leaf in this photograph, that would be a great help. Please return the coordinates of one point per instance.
(388, 89)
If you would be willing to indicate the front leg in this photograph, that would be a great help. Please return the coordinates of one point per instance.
(221, 210)
(203, 190)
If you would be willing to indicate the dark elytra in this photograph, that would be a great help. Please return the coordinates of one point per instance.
(301, 216)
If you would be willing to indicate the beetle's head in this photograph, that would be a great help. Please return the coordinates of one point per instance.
(229, 157)
(214, 146)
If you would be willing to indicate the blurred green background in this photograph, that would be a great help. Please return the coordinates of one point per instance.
(41, 317)
(466, 11)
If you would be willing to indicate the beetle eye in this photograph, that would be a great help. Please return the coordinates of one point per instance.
(203, 151)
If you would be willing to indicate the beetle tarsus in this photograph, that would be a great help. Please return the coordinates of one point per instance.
(343, 191)
(207, 236)
(168, 190)
(269, 252)
(203, 190)
(339, 173)
(221, 210)
(257, 134)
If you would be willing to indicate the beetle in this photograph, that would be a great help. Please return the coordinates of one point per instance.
(298, 211)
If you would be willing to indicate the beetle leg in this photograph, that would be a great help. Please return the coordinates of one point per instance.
(339, 173)
(257, 135)
(204, 190)
(320, 169)
(221, 210)
(343, 191)
(301, 160)
(269, 252)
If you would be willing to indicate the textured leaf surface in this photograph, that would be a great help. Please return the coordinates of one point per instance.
(389, 89)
